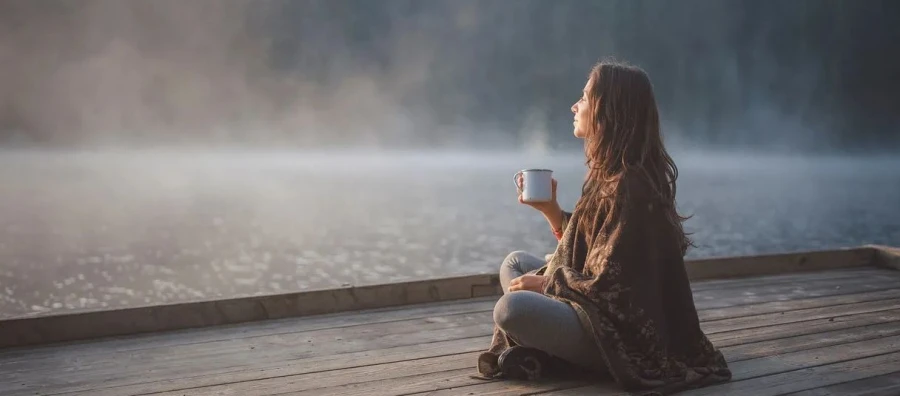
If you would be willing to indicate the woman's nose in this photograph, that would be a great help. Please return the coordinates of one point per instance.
(575, 108)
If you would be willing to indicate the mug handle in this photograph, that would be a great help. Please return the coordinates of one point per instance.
(516, 181)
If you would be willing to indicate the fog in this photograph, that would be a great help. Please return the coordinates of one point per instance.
(161, 151)
(87, 230)
(770, 75)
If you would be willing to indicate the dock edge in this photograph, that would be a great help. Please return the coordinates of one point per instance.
(84, 325)
(886, 256)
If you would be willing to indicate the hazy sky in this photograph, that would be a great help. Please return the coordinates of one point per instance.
(765, 74)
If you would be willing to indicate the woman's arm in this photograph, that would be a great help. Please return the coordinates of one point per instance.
(558, 220)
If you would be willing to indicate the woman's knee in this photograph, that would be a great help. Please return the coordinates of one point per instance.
(514, 260)
(514, 311)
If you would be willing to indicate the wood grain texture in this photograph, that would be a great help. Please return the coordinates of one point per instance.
(807, 378)
(711, 314)
(516, 388)
(794, 329)
(763, 320)
(716, 298)
(763, 327)
(205, 344)
(886, 256)
(54, 328)
(784, 373)
(882, 385)
(745, 266)
(246, 330)
(87, 325)
(841, 273)
(749, 370)
(778, 338)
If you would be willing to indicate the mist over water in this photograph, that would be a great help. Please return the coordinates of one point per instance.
(100, 230)
(165, 151)
(768, 75)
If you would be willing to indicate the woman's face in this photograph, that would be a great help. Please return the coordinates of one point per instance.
(580, 109)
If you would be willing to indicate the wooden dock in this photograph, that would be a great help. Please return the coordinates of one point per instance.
(808, 326)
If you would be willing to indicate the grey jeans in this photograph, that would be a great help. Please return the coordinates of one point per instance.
(536, 321)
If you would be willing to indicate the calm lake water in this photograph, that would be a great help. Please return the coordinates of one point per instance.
(98, 231)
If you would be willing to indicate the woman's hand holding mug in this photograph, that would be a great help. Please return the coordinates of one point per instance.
(537, 188)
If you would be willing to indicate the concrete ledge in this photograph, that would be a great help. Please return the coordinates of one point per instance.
(44, 329)
(886, 256)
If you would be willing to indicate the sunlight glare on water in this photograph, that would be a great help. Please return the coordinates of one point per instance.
(95, 230)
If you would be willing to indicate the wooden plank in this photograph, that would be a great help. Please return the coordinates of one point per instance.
(215, 358)
(215, 351)
(281, 333)
(248, 330)
(793, 329)
(516, 388)
(323, 380)
(257, 371)
(309, 342)
(750, 322)
(740, 352)
(882, 385)
(186, 337)
(806, 369)
(602, 389)
(43, 329)
(379, 316)
(886, 256)
(122, 370)
(720, 298)
(840, 273)
(785, 382)
(786, 362)
(711, 314)
(125, 374)
(319, 382)
(457, 378)
(414, 383)
(274, 383)
(297, 325)
(745, 266)
(198, 378)
(94, 324)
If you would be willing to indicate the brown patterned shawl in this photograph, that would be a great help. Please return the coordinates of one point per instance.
(631, 290)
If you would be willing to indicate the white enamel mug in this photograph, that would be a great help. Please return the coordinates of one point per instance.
(537, 185)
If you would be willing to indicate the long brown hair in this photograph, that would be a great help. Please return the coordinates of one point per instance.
(623, 136)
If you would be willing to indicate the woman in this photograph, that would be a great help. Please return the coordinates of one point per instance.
(614, 299)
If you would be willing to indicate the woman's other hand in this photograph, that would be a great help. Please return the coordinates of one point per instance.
(533, 283)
